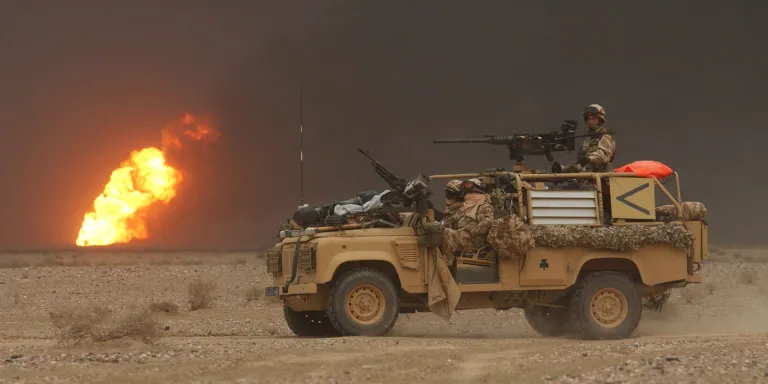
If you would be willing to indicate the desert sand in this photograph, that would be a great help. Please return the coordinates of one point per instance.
(137, 307)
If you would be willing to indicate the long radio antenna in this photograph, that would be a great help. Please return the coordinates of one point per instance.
(301, 131)
(301, 117)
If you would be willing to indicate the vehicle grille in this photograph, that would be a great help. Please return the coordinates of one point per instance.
(273, 263)
(307, 257)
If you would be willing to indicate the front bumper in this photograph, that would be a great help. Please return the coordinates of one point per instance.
(293, 289)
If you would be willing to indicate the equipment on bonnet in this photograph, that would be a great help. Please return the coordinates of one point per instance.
(371, 205)
(312, 215)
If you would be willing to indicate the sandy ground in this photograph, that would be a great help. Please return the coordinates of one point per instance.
(716, 332)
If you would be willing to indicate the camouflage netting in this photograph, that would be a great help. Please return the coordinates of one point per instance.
(616, 238)
(691, 211)
(510, 237)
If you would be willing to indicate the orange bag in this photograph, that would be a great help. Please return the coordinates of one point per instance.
(646, 168)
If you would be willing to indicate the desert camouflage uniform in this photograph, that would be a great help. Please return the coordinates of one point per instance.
(468, 226)
(510, 237)
(597, 152)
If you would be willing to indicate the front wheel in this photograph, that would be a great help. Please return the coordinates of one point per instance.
(363, 302)
(605, 306)
(548, 321)
(309, 323)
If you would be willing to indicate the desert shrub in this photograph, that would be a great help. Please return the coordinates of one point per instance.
(748, 277)
(165, 306)
(139, 326)
(201, 294)
(253, 293)
(95, 324)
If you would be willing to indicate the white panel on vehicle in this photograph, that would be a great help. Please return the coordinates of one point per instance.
(576, 194)
(564, 212)
(563, 203)
(564, 221)
(577, 207)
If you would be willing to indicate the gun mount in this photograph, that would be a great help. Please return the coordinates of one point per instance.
(522, 144)
(411, 194)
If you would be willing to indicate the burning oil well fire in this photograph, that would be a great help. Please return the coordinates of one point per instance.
(141, 182)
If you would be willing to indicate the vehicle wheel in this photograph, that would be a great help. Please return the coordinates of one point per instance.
(363, 302)
(309, 323)
(548, 321)
(605, 306)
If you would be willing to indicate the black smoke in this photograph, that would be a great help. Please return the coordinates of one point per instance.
(84, 83)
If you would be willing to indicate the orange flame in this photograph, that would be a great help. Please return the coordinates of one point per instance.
(142, 181)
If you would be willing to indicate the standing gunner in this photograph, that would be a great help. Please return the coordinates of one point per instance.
(596, 152)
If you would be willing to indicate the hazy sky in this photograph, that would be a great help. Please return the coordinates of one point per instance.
(84, 83)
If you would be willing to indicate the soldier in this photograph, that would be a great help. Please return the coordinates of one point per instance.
(597, 152)
(453, 198)
(473, 219)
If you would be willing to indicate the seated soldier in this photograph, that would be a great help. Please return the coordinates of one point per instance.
(454, 198)
(468, 226)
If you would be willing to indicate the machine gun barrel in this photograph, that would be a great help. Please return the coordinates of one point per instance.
(440, 141)
(396, 183)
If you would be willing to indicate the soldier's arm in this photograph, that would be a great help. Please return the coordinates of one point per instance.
(484, 221)
(606, 147)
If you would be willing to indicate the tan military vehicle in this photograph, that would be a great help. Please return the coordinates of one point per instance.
(604, 250)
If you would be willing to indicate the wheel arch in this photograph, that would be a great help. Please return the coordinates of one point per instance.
(624, 266)
(346, 261)
(650, 265)
(383, 266)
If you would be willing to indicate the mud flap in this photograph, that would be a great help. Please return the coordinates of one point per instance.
(444, 293)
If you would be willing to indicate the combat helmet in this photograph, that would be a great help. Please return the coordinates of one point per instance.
(595, 109)
(473, 185)
(453, 189)
(453, 185)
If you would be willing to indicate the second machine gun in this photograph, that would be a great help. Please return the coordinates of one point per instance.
(522, 144)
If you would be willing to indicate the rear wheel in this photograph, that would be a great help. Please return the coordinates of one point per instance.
(605, 306)
(548, 321)
(363, 302)
(309, 323)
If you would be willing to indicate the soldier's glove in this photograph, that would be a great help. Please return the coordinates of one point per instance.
(557, 168)
(584, 161)
(571, 168)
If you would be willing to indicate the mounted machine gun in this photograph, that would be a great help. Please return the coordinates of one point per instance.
(522, 144)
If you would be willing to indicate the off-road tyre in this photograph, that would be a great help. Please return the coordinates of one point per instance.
(363, 302)
(309, 323)
(605, 306)
(548, 321)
